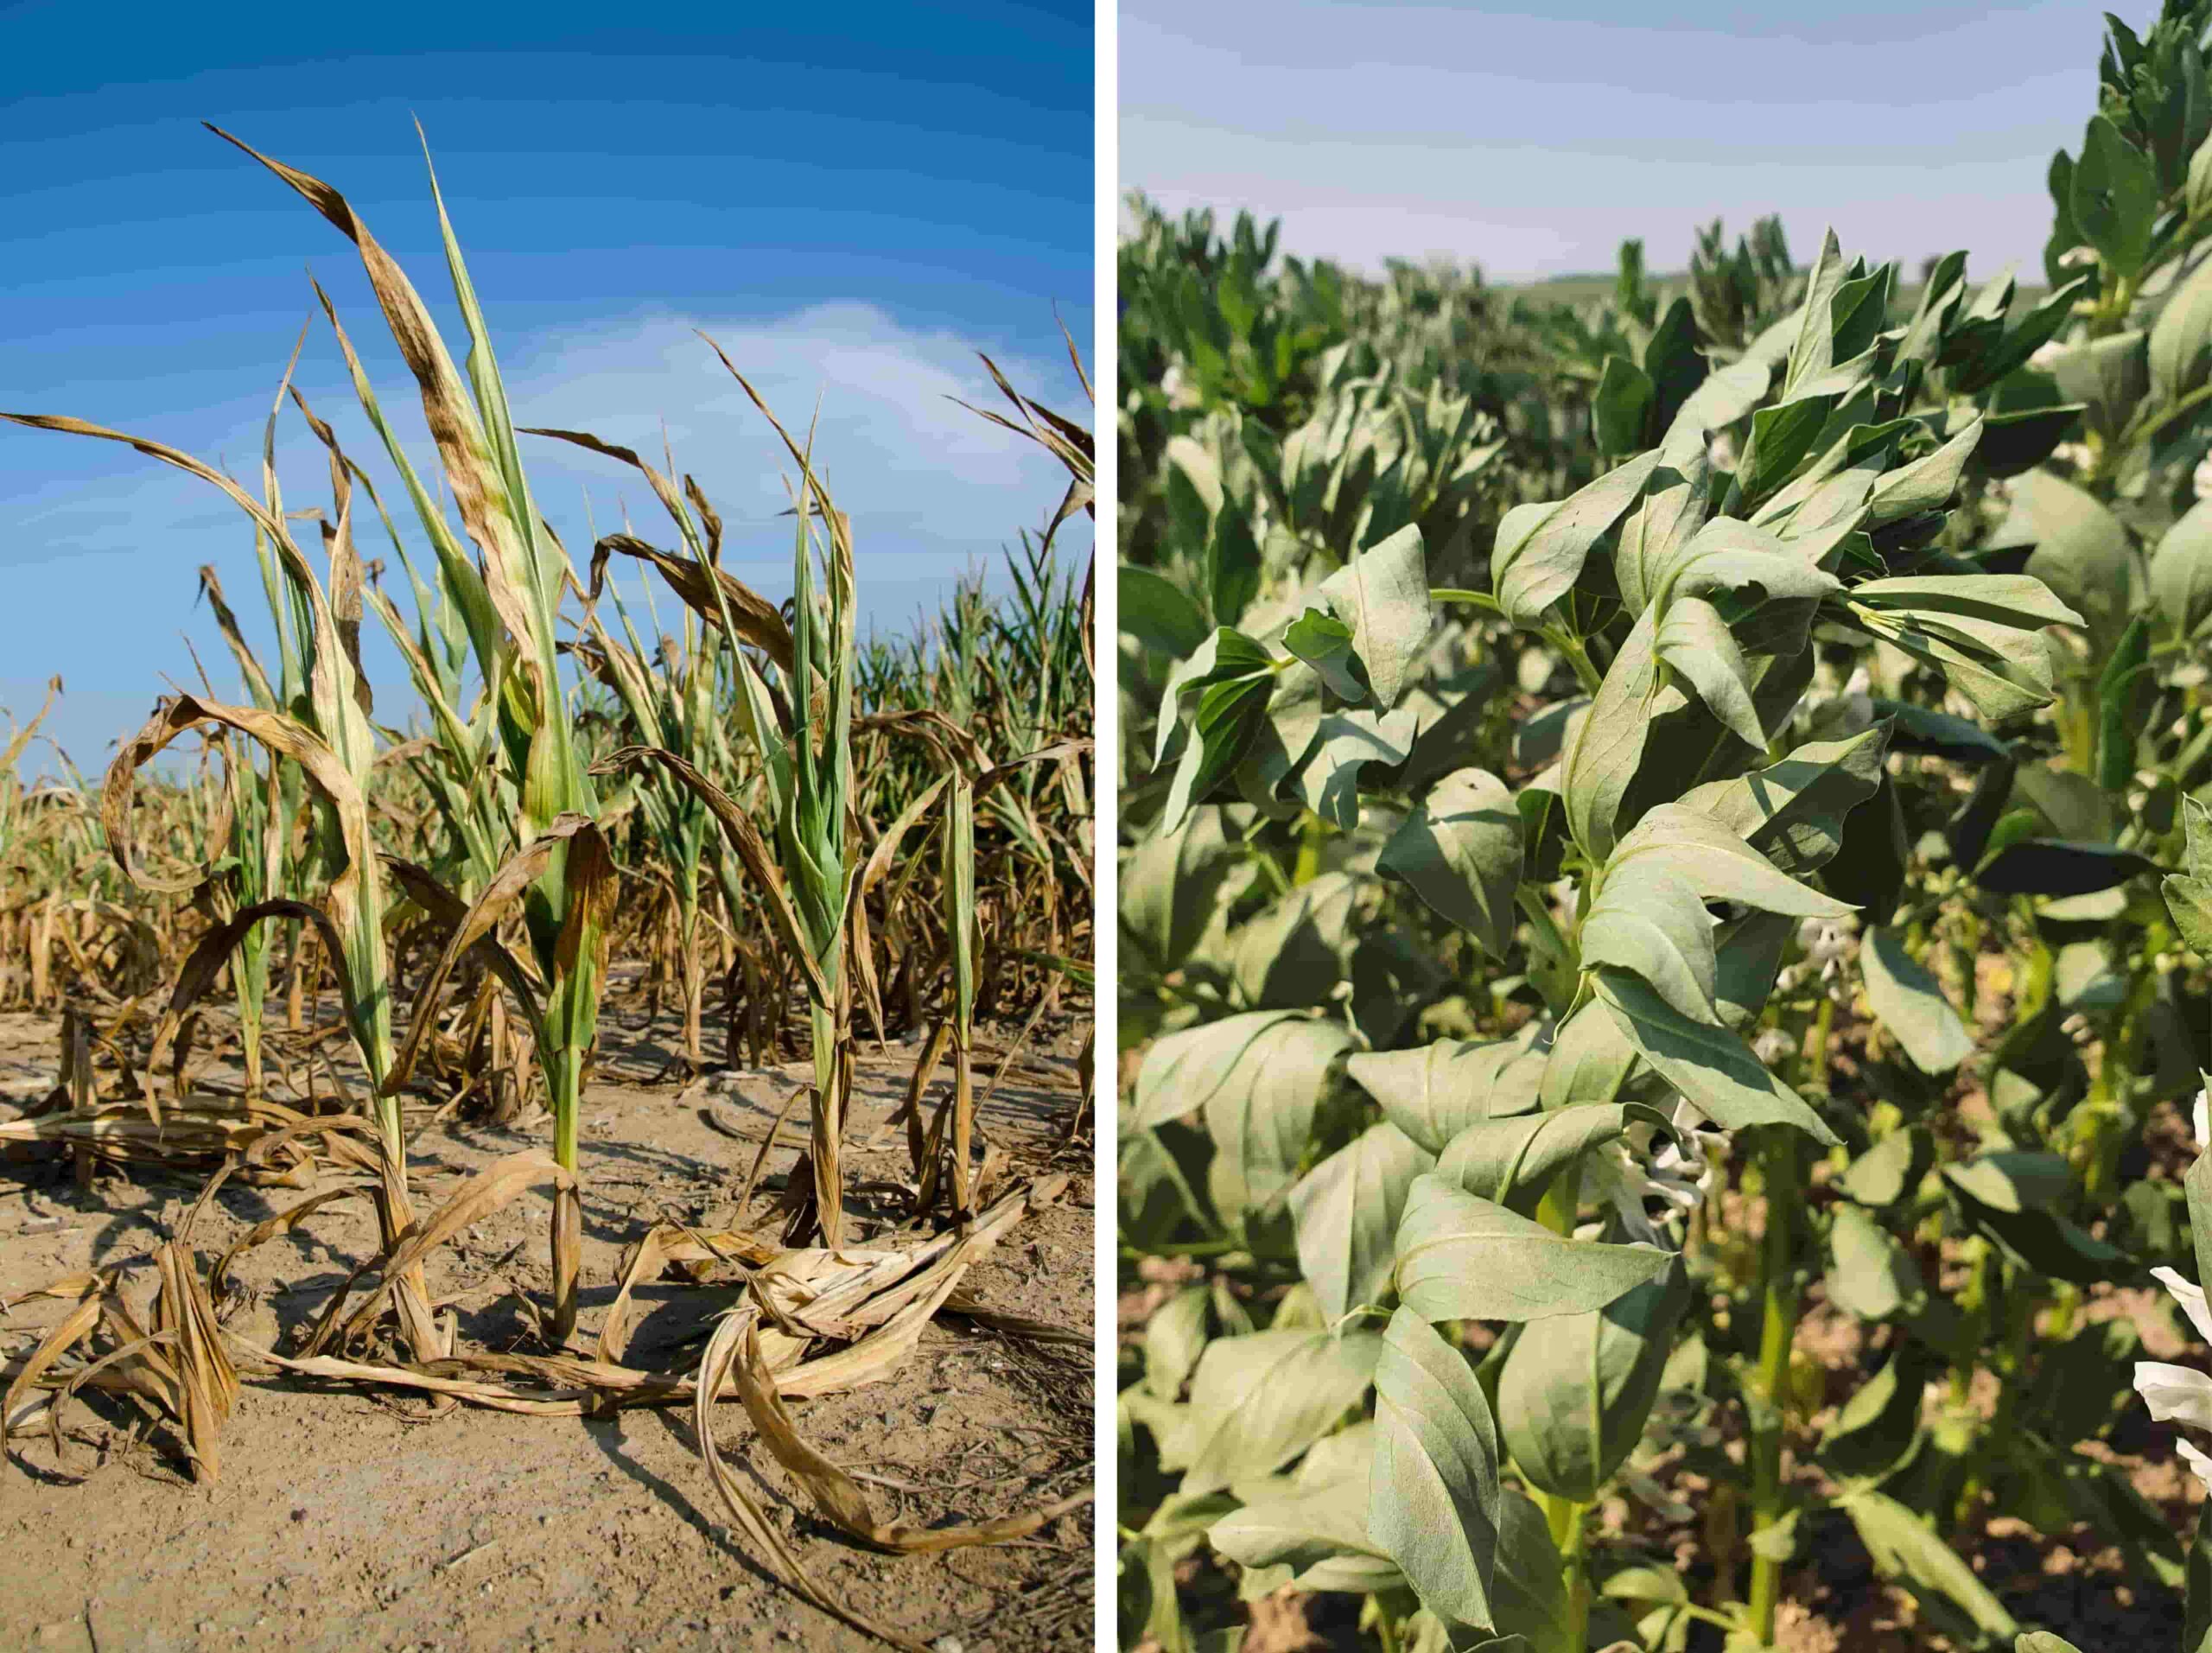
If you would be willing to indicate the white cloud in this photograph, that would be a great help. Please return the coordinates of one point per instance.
(916, 472)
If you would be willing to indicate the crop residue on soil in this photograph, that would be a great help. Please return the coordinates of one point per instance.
(344, 1518)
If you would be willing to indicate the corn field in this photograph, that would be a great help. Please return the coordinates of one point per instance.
(302, 914)
(1663, 1002)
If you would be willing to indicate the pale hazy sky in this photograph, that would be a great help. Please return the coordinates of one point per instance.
(1532, 144)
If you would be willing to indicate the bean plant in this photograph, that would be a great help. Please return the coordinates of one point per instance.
(1660, 881)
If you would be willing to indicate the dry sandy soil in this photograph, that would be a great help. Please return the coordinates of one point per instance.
(343, 1518)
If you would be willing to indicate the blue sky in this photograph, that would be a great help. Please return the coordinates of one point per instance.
(852, 209)
(1532, 144)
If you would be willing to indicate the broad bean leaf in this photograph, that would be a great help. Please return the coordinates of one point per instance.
(1530, 1585)
(1159, 613)
(1869, 1274)
(1347, 1210)
(1793, 811)
(1573, 1400)
(1259, 1401)
(1174, 1337)
(1310, 1529)
(1590, 1060)
(1433, 1506)
(2181, 569)
(1695, 642)
(1715, 861)
(1712, 1068)
(2114, 196)
(2181, 339)
(1923, 1559)
(1605, 746)
(1621, 406)
(2055, 867)
(1672, 508)
(1877, 1430)
(1383, 595)
(1928, 483)
(1886, 1172)
(1435, 1092)
(1294, 950)
(2188, 892)
(2082, 552)
(1510, 1160)
(1909, 1000)
(1169, 885)
(1459, 849)
(1653, 924)
(1461, 1258)
(1540, 548)
(1181, 1072)
(1325, 643)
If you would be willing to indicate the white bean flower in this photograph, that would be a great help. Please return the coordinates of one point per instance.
(2199, 479)
(1827, 943)
(1630, 1172)
(1858, 699)
(2181, 1394)
(1773, 1046)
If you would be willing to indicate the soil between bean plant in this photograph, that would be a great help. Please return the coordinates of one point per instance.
(345, 1520)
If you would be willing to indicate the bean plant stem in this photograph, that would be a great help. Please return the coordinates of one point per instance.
(1777, 1331)
(1564, 1515)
